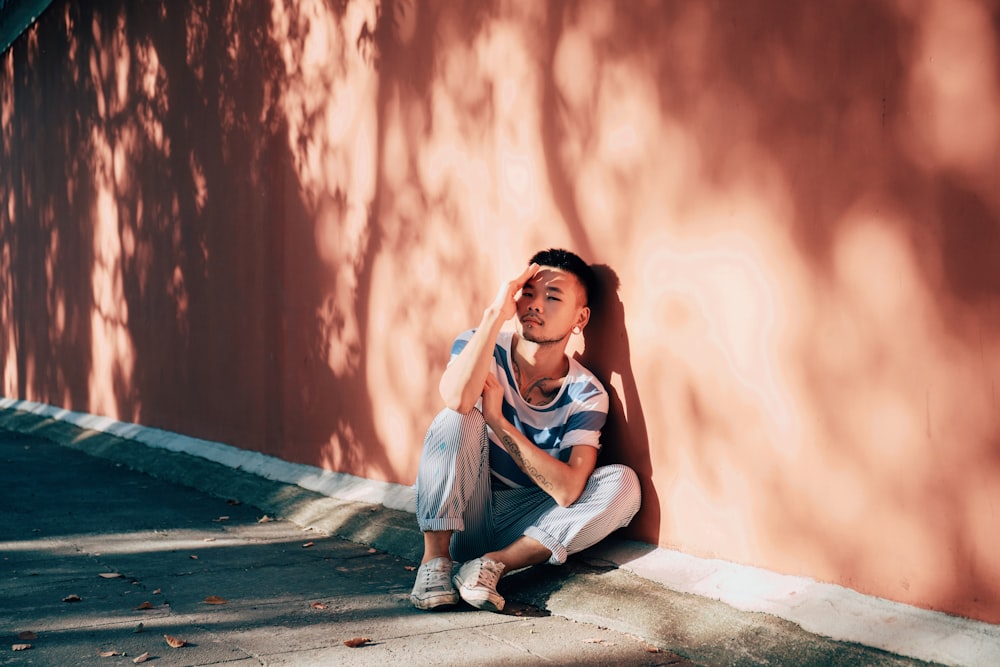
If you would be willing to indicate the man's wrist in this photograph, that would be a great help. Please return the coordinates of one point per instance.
(498, 424)
(491, 316)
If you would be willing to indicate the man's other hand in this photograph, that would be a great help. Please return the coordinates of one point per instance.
(492, 399)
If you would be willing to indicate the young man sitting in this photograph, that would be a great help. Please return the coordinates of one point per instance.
(507, 476)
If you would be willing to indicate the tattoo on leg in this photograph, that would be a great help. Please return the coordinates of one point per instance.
(532, 472)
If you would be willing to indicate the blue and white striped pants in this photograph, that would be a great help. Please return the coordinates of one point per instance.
(454, 492)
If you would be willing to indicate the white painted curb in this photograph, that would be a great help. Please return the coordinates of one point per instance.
(827, 610)
(823, 609)
(334, 484)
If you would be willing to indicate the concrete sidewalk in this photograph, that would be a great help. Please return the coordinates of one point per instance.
(180, 530)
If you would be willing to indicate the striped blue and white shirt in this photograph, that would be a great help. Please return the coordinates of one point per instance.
(574, 417)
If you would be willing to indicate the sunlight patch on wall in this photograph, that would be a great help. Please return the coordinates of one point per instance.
(403, 368)
(72, 42)
(31, 36)
(8, 200)
(98, 65)
(155, 105)
(56, 300)
(179, 294)
(200, 182)
(482, 162)
(506, 59)
(954, 99)
(719, 294)
(901, 411)
(7, 103)
(703, 517)
(112, 352)
(328, 99)
(343, 442)
(614, 176)
(627, 159)
(713, 333)
(715, 287)
(878, 379)
(122, 68)
(195, 39)
(7, 322)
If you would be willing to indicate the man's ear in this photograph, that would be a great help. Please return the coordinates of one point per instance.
(583, 317)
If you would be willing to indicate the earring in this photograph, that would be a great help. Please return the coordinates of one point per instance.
(577, 330)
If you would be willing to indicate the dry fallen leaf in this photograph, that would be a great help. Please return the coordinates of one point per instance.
(72, 598)
(307, 545)
(156, 592)
(174, 642)
(318, 605)
(193, 557)
(357, 641)
(110, 575)
(264, 519)
(20, 647)
(142, 658)
(651, 649)
(109, 654)
(215, 599)
(221, 518)
(27, 635)
(145, 605)
(409, 568)
(372, 550)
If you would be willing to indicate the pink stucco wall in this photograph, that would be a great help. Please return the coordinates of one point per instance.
(262, 222)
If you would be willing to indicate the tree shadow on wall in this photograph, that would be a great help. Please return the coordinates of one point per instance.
(166, 226)
(47, 248)
(625, 438)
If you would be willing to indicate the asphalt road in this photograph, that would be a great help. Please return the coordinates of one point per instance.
(99, 559)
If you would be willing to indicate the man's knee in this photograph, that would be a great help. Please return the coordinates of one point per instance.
(450, 419)
(473, 419)
(626, 492)
(450, 429)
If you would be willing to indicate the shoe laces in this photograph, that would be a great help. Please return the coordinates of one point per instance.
(435, 576)
(489, 573)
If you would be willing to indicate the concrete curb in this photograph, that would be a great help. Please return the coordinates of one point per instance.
(764, 614)
(372, 524)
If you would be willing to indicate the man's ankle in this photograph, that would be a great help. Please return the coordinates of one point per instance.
(429, 557)
(437, 544)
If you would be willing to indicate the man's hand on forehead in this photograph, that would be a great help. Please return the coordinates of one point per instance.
(528, 274)
(506, 300)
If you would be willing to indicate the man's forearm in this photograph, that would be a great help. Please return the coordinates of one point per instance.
(514, 449)
(462, 382)
(563, 481)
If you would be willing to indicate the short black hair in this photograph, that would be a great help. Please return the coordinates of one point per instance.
(557, 258)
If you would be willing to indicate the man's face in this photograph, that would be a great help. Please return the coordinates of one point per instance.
(549, 306)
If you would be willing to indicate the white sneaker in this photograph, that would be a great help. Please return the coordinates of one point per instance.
(433, 587)
(477, 583)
